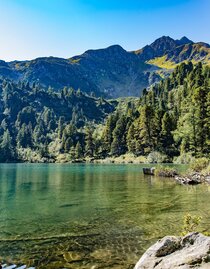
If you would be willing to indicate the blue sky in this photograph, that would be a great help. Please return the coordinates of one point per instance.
(64, 28)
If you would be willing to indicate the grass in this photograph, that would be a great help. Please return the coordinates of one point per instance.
(75, 61)
(162, 62)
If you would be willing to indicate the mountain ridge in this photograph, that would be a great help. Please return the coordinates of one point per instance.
(109, 72)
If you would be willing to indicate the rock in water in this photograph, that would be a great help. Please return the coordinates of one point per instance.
(149, 171)
(190, 251)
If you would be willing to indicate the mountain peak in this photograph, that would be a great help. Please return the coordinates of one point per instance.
(111, 50)
(184, 40)
(116, 47)
(158, 48)
(163, 44)
(164, 39)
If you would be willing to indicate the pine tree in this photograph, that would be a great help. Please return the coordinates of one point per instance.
(166, 136)
(6, 149)
(68, 144)
(89, 142)
(200, 99)
(24, 136)
(131, 141)
(60, 126)
(118, 145)
(72, 153)
(107, 136)
(146, 129)
(78, 151)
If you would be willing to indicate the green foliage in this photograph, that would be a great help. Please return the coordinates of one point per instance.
(156, 157)
(184, 158)
(171, 121)
(206, 171)
(118, 146)
(78, 151)
(199, 164)
(7, 152)
(89, 142)
(190, 224)
(165, 171)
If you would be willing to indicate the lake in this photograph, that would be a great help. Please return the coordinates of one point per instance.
(90, 216)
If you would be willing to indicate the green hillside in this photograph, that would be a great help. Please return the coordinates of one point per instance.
(171, 118)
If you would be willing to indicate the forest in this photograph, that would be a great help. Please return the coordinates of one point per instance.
(171, 118)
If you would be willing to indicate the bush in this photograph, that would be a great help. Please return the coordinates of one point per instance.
(185, 158)
(165, 171)
(199, 164)
(156, 157)
(190, 224)
(206, 171)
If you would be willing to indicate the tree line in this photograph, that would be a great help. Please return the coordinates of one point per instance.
(171, 117)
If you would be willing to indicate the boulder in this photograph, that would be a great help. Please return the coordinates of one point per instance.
(192, 179)
(149, 171)
(190, 251)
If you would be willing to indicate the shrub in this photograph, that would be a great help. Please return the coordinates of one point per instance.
(206, 171)
(185, 158)
(199, 164)
(165, 171)
(156, 157)
(190, 224)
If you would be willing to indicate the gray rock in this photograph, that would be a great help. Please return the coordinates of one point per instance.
(191, 251)
(192, 179)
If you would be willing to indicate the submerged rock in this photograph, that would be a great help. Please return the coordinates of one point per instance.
(190, 251)
(72, 256)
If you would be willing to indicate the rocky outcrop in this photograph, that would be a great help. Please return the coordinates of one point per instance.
(193, 179)
(190, 251)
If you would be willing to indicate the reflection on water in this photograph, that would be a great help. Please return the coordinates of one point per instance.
(89, 216)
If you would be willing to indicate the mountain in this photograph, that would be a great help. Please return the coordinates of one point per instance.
(160, 47)
(111, 72)
(183, 41)
(169, 119)
(166, 53)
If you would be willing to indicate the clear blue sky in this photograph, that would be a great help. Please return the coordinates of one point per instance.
(63, 28)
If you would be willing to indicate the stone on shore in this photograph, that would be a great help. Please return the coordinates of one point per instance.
(192, 179)
(190, 251)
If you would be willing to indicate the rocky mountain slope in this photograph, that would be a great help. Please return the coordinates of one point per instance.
(111, 72)
(160, 47)
(167, 53)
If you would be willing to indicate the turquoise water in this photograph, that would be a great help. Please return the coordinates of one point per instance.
(89, 216)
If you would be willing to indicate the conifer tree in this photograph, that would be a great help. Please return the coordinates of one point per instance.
(78, 151)
(89, 142)
(118, 145)
(6, 149)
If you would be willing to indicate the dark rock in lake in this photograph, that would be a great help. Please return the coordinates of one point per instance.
(190, 251)
(149, 171)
